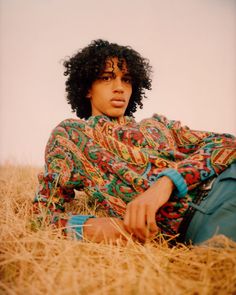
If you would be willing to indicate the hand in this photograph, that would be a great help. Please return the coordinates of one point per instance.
(105, 229)
(140, 216)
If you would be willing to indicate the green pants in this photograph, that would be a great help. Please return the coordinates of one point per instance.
(217, 213)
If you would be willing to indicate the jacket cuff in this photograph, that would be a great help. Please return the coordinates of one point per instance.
(178, 180)
(75, 225)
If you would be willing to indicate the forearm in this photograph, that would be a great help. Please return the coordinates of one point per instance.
(202, 154)
(50, 199)
(211, 159)
(164, 185)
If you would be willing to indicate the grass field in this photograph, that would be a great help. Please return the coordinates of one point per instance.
(43, 262)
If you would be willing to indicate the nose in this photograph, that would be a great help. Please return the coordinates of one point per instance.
(118, 85)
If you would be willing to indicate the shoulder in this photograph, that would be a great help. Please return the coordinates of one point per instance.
(67, 126)
(72, 123)
(161, 119)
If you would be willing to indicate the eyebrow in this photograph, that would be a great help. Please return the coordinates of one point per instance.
(107, 72)
(112, 72)
(127, 74)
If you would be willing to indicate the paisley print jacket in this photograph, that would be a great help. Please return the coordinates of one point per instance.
(114, 160)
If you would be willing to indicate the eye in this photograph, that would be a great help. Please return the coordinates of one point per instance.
(105, 78)
(127, 80)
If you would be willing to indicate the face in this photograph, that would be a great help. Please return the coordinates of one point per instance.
(110, 93)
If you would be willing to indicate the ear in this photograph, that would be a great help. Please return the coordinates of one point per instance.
(88, 95)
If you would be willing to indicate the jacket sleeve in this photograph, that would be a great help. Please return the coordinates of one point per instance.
(202, 154)
(57, 183)
(50, 199)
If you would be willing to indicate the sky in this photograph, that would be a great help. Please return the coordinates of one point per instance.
(191, 45)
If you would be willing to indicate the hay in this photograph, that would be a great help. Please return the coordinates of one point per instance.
(42, 262)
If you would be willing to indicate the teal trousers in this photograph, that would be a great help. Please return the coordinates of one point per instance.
(216, 214)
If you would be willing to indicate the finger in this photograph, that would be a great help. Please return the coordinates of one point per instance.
(151, 222)
(127, 219)
(130, 220)
(139, 226)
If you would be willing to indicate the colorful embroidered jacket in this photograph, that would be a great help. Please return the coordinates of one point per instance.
(115, 160)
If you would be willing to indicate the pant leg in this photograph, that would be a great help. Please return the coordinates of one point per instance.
(217, 213)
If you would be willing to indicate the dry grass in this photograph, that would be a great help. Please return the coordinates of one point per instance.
(40, 262)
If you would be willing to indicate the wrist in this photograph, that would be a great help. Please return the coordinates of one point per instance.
(75, 225)
(167, 181)
(88, 229)
(179, 182)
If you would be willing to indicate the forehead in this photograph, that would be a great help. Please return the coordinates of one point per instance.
(115, 64)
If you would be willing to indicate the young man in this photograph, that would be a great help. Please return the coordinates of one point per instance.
(150, 176)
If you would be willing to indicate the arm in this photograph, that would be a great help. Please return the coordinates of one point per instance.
(49, 207)
(57, 183)
(203, 154)
(49, 203)
(56, 188)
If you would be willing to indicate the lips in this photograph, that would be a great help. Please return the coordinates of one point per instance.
(118, 102)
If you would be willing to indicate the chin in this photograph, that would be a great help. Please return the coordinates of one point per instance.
(116, 114)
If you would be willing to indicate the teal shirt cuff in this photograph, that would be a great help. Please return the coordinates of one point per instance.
(178, 180)
(75, 225)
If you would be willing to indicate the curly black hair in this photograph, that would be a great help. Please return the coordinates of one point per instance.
(88, 63)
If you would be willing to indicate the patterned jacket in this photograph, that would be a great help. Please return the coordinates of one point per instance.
(114, 160)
